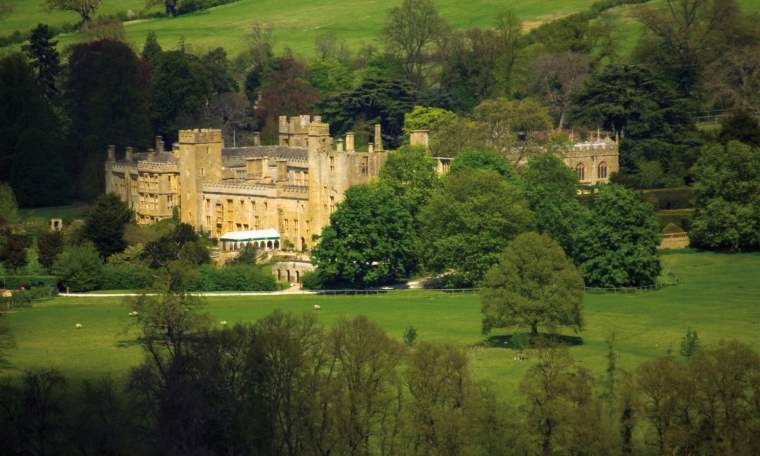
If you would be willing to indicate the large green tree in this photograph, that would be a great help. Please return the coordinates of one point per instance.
(551, 190)
(727, 205)
(653, 120)
(370, 240)
(617, 245)
(105, 223)
(484, 160)
(469, 221)
(534, 285)
(106, 97)
(84, 8)
(38, 174)
(45, 59)
(8, 205)
(79, 267)
(410, 173)
(180, 89)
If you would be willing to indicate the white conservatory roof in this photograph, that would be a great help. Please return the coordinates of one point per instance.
(255, 235)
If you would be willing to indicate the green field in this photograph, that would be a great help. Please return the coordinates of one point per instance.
(67, 213)
(718, 295)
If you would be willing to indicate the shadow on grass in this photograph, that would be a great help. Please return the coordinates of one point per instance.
(521, 341)
(127, 343)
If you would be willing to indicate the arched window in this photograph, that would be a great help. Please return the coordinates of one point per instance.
(581, 171)
(602, 174)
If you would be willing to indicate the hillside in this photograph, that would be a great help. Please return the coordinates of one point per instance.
(296, 22)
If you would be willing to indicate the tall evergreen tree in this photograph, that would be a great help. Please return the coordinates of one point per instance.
(105, 223)
(45, 59)
(152, 49)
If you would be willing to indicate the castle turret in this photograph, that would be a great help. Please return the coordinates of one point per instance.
(200, 159)
(378, 144)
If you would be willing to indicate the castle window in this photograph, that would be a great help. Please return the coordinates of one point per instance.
(332, 164)
(364, 168)
(581, 171)
(602, 174)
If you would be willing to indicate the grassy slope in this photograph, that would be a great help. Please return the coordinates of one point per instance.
(718, 296)
(296, 22)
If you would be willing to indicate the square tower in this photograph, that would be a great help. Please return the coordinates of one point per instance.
(200, 161)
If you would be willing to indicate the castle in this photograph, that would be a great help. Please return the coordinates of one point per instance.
(292, 187)
(275, 196)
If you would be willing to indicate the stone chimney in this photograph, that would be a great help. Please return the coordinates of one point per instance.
(159, 144)
(371, 148)
(339, 146)
(151, 155)
(129, 154)
(111, 153)
(419, 138)
(255, 167)
(282, 170)
(256, 138)
(378, 138)
(349, 142)
(317, 119)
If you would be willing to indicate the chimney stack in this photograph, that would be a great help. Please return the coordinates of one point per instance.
(282, 170)
(419, 138)
(255, 167)
(378, 138)
(370, 148)
(349, 142)
(151, 155)
(111, 153)
(159, 144)
(129, 154)
(256, 138)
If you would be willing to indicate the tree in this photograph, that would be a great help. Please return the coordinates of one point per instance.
(561, 413)
(49, 246)
(370, 240)
(740, 126)
(533, 285)
(505, 121)
(152, 49)
(161, 252)
(286, 92)
(84, 8)
(733, 80)
(22, 107)
(181, 88)
(509, 31)
(170, 6)
(484, 160)
(654, 122)
(442, 398)
(617, 245)
(39, 173)
(426, 118)
(410, 173)
(727, 189)
(468, 221)
(376, 100)
(557, 78)
(106, 98)
(105, 222)
(45, 59)
(687, 35)
(13, 253)
(411, 33)
(8, 206)
(219, 72)
(79, 267)
(551, 187)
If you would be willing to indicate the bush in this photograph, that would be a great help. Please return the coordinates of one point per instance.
(669, 198)
(126, 276)
(25, 298)
(312, 280)
(28, 281)
(79, 267)
(233, 278)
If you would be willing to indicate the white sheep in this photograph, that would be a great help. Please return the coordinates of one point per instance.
(223, 322)
(78, 326)
(317, 307)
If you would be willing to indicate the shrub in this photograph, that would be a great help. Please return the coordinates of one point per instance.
(126, 276)
(312, 280)
(79, 267)
(233, 278)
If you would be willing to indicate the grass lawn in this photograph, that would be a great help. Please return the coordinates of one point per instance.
(67, 213)
(718, 295)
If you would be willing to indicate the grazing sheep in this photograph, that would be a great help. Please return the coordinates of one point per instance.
(78, 326)
(317, 307)
(223, 322)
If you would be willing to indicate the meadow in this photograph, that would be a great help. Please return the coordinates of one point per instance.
(718, 295)
(296, 23)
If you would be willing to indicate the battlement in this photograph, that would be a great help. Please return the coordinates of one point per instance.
(319, 129)
(200, 136)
